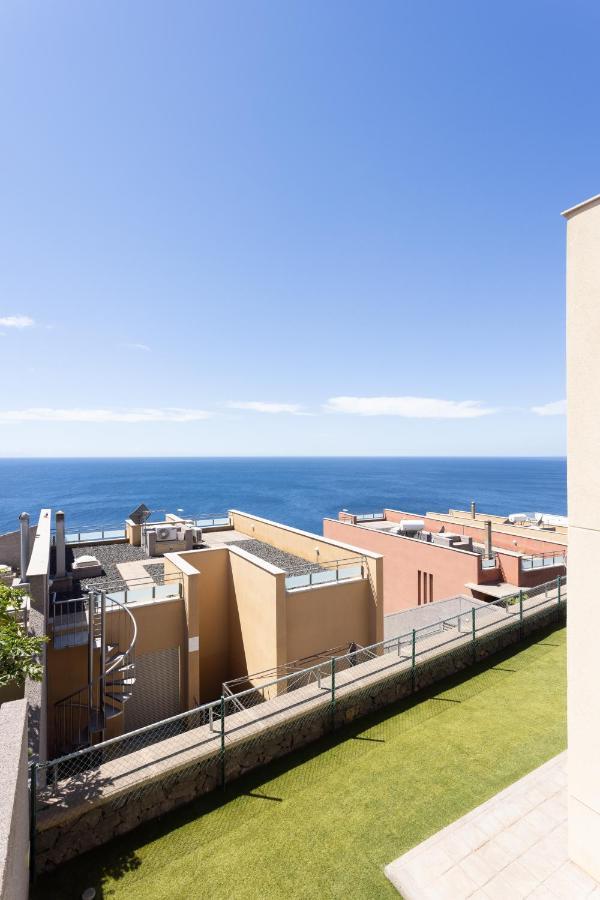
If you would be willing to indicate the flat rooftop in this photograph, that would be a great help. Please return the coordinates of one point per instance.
(288, 562)
(126, 566)
(123, 566)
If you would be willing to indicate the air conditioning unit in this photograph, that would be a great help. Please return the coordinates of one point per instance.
(197, 535)
(166, 534)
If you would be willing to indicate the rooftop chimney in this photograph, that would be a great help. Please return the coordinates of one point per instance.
(60, 563)
(488, 540)
(473, 510)
(24, 522)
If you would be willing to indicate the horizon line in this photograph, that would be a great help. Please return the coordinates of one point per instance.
(298, 456)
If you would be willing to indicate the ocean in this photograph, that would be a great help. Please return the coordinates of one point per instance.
(297, 491)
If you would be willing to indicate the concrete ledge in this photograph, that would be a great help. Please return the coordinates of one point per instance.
(14, 803)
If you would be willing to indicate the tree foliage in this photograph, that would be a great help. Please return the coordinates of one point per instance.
(19, 651)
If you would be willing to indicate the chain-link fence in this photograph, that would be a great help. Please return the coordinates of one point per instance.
(146, 772)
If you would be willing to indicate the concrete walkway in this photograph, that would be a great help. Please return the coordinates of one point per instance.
(512, 846)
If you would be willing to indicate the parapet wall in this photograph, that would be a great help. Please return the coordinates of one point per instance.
(10, 547)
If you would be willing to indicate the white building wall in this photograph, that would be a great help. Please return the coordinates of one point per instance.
(583, 636)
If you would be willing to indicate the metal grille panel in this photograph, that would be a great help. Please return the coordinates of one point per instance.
(156, 689)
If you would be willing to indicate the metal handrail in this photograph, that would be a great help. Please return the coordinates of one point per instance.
(84, 751)
(547, 559)
(409, 638)
(127, 654)
(99, 534)
(336, 565)
(122, 659)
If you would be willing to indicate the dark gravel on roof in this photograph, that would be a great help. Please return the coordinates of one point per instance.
(157, 571)
(293, 565)
(110, 555)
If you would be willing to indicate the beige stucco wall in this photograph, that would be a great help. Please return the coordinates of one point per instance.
(14, 803)
(133, 533)
(207, 604)
(583, 379)
(292, 540)
(327, 616)
(257, 637)
(10, 546)
(500, 520)
(305, 545)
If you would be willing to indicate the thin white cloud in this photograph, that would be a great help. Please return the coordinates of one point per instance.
(48, 414)
(293, 409)
(408, 407)
(16, 322)
(557, 408)
(143, 347)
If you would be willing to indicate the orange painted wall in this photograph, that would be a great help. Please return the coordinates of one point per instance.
(514, 542)
(403, 558)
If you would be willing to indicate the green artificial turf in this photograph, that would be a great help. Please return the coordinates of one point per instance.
(324, 821)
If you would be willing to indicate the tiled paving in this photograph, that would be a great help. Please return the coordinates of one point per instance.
(512, 846)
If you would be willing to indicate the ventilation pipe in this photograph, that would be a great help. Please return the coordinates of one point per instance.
(488, 540)
(24, 522)
(473, 510)
(60, 563)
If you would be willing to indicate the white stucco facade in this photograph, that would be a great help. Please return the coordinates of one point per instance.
(583, 396)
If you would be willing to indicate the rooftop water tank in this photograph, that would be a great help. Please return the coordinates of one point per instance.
(517, 518)
(411, 526)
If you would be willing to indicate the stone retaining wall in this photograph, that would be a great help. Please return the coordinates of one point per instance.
(102, 819)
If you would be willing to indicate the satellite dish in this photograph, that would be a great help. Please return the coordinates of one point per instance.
(140, 515)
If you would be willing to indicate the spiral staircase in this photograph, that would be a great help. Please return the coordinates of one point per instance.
(108, 629)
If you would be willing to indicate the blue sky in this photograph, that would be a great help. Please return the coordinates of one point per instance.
(289, 228)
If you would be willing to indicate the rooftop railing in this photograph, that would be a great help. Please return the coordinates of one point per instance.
(370, 517)
(70, 617)
(92, 535)
(146, 593)
(209, 521)
(328, 573)
(543, 561)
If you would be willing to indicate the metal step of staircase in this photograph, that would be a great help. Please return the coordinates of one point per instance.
(96, 722)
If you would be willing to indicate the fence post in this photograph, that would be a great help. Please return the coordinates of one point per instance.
(474, 630)
(333, 692)
(222, 741)
(521, 614)
(414, 671)
(32, 820)
(558, 583)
